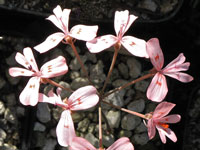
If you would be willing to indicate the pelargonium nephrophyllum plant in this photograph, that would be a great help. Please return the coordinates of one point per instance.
(88, 96)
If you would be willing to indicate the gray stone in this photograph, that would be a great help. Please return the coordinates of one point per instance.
(134, 67)
(75, 65)
(92, 139)
(123, 69)
(2, 2)
(91, 57)
(71, 51)
(2, 82)
(6, 146)
(83, 125)
(79, 82)
(40, 140)
(77, 116)
(50, 144)
(140, 139)
(91, 128)
(141, 128)
(10, 116)
(137, 105)
(97, 75)
(43, 112)
(12, 80)
(119, 82)
(39, 127)
(150, 107)
(115, 99)
(114, 75)
(2, 108)
(3, 134)
(10, 99)
(149, 5)
(108, 140)
(56, 113)
(113, 118)
(142, 86)
(20, 111)
(11, 60)
(65, 93)
(125, 133)
(130, 122)
(74, 74)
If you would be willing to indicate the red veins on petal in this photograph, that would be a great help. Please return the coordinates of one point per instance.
(156, 57)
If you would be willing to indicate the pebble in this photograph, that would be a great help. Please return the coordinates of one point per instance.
(75, 65)
(2, 108)
(108, 140)
(39, 127)
(134, 67)
(65, 93)
(2, 134)
(43, 113)
(142, 86)
(10, 116)
(10, 99)
(140, 139)
(2, 82)
(130, 122)
(79, 82)
(83, 125)
(113, 118)
(137, 105)
(50, 144)
(92, 139)
(123, 69)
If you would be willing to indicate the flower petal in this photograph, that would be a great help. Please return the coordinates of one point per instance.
(79, 143)
(28, 54)
(61, 18)
(166, 132)
(83, 32)
(15, 72)
(121, 144)
(177, 64)
(55, 67)
(22, 60)
(183, 77)
(151, 129)
(170, 119)
(65, 129)
(163, 109)
(135, 46)
(101, 43)
(50, 42)
(155, 53)
(83, 98)
(157, 89)
(30, 94)
(123, 21)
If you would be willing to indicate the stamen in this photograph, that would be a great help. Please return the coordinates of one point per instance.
(164, 125)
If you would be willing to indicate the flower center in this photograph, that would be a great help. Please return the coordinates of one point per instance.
(164, 125)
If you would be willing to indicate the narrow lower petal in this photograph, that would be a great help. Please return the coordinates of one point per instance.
(79, 143)
(170, 119)
(166, 132)
(54, 68)
(65, 129)
(30, 94)
(157, 89)
(155, 53)
(83, 98)
(183, 77)
(15, 72)
(44, 99)
(101, 43)
(135, 46)
(28, 54)
(151, 129)
(82, 32)
(50, 42)
(121, 144)
(163, 109)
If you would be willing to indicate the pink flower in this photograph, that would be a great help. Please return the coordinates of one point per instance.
(122, 23)
(61, 19)
(159, 121)
(79, 143)
(158, 87)
(82, 98)
(53, 68)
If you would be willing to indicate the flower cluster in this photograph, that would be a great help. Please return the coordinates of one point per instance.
(88, 96)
